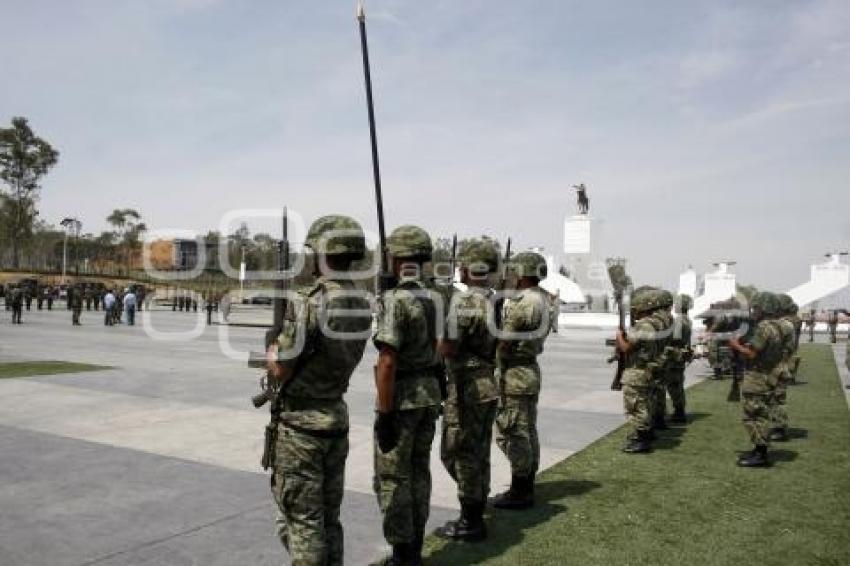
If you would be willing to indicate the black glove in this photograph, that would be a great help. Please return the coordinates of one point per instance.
(386, 431)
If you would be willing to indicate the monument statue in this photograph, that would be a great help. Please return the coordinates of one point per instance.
(581, 195)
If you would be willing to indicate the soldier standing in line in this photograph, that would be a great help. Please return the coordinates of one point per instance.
(39, 298)
(333, 320)
(779, 400)
(813, 317)
(663, 321)
(641, 347)
(525, 327)
(51, 294)
(17, 300)
(408, 395)
(763, 353)
(88, 296)
(681, 342)
(28, 291)
(832, 323)
(75, 298)
(473, 392)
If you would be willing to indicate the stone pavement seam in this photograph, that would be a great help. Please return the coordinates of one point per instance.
(161, 540)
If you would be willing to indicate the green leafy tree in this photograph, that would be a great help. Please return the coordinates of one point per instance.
(128, 230)
(24, 160)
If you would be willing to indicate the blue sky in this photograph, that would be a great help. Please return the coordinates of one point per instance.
(704, 129)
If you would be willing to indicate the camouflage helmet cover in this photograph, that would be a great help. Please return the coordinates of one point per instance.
(786, 304)
(410, 242)
(665, 298)
(646, 298)
(529, 264)
(337, 235)
(766, 302)
(481, 253)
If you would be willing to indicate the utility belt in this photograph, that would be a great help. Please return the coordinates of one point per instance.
(430, 371)
(340, 433)
(517, 362)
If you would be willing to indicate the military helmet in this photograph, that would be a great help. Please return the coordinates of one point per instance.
(786, 304)
(479, 253)
(645, 299)
(684, 303)
(410, 242)
(529, 264)
(766, 302)
(337, 235)
(665, 298)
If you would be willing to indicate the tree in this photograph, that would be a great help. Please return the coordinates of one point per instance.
(128, 229)
(24, 160)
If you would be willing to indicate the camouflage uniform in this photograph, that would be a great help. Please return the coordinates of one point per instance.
(333, 320)
(663, 322)
(473, 392)
(17, 301)
(681, 342)
(778, 414)
(407, 324)
(759, 383)
(76, 299)
(638, 380)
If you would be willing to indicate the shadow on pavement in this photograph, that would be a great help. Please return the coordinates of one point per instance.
(506, 528)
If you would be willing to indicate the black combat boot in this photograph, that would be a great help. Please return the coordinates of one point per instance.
(519, 496)
(402, 556)
(779, 434)
(755, 459)
(679, 416)
(469, 526)
(639, 444)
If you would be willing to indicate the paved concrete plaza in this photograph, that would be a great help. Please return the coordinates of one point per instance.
(157, 461)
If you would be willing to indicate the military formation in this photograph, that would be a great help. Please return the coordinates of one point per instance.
(464, 355)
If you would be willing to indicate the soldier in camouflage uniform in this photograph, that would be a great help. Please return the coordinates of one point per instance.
(525, 326)
(75, 297)
(681, 342)
(832, 325)
(324, 334)
(408, 391)
(473, 391)
(663, 322)
(778, 414)
(762, 350)
(16, 298)
(643, 351)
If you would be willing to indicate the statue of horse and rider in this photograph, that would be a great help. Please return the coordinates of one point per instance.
(583, 201)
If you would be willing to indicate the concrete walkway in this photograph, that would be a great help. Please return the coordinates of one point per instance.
(156, 462)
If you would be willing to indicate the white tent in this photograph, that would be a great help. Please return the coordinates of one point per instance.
(565, 289)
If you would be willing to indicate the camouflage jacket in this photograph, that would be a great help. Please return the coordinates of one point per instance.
(474, 360)
(407, 323)
(669, 354)
(786, 327)
(642, 359)
(324, 336)
(681, 340)
(526, 316)
(767, 341)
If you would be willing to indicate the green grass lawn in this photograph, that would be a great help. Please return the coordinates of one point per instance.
(687, 503)
(26, 369)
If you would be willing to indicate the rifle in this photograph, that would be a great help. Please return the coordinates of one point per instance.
(503, 281)
(385, 278)
(271, 390)
(734, 325)
(620, 282)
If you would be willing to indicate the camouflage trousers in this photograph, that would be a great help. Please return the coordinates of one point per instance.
(465, 445)
(307, 485)
(779, 399)
(757, 392)
(638, 402)
(402, 478)
(75, 315)
(673, 384)
(516, 425)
